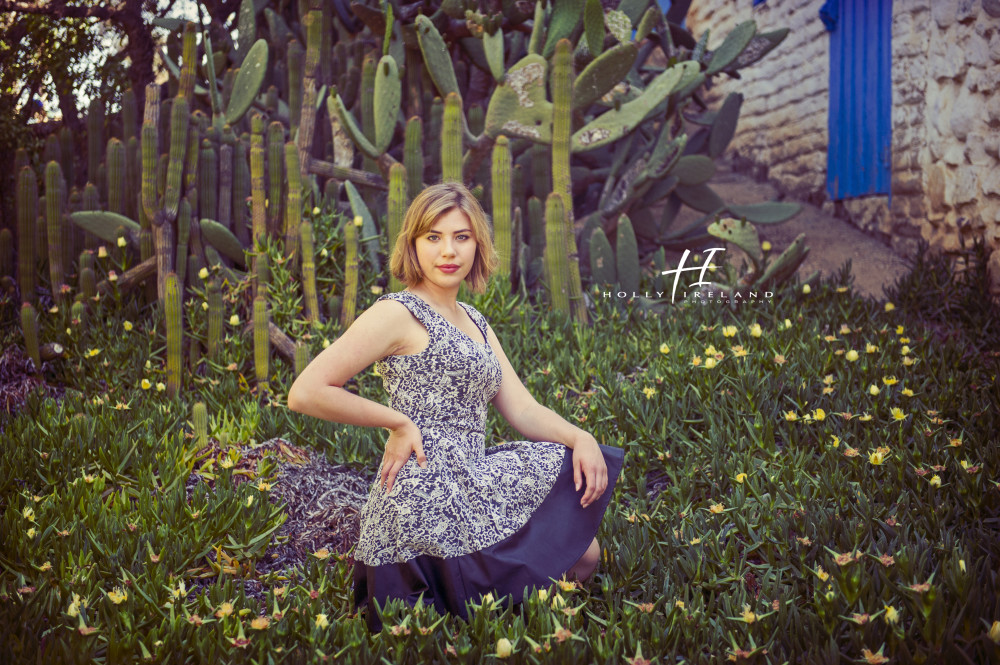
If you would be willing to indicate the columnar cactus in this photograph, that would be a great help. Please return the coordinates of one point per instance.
(500, 179)
(183, 238)
(301, 357)
(261, 341)
(225, 207)
(199, 420)
(397, 210)
(241, 193)
(174, 319)
(29, 327)
(208, 182)
(627, 256)
(117, 185)
(258, 208)
(309, 272)
(88, 283)
(179, 122)
(293, 210)
(413, 157)
(27, 213)
(95, 137)
(276, 174)
(451, 139)
(556, 260)
(296, 57)
(348, 307)
(54, 228)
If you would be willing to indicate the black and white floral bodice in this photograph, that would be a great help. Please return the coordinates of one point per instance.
(468, 497)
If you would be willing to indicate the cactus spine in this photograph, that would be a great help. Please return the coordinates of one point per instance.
(54, 227)
(309, 272)
(261, 341)
(347, 310)
(500, 180)
(175, 332)
(27, 213)
(293, 210)
(397, 210)
(29, 327)
(413, 157)
(451, 139)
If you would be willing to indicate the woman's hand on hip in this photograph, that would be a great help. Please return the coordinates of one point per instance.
(402, 441)
(588, 463)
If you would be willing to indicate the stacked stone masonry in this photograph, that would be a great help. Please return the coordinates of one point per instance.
(945, 115)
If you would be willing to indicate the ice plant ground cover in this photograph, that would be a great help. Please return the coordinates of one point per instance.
(824, 490)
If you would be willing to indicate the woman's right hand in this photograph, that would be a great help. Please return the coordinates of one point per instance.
(402, 441)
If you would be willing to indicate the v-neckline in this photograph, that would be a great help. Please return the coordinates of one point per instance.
(441, 316)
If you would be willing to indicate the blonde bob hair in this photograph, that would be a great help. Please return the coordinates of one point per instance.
(423, 213)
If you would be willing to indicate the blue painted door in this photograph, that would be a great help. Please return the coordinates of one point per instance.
(860, 118)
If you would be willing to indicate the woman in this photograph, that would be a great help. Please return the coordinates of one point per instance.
(446, 517)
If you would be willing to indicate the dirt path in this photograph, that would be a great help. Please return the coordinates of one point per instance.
(831, 241)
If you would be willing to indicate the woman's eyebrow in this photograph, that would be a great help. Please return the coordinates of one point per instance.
(441, 233)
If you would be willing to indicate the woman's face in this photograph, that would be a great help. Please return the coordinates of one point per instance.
(446, 252)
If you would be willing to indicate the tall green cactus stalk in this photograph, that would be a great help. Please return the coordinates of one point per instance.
(309, 272)
(150, 151)
(27, 252)
(349, 305)
(179, 122)
(190, 57)
(259, 210)
(556, 260)
(54, 197)
(262, 274)
(183, 237)
(313, 24)
(208, 183)
(541, 176)
(413, 157)
(216, 311)
(536, 232)
(368, 71)
(52, 151)
(117, 185)
(276, 174)
(451, 139)
(301, 357)
(174, 320)
(68, 154)
(88, 283)
(130, 115)
(29, 328)
(434, 137)
(225, 209)
(193, 157)
(261, 342)
(133, 176)
(241, 193)
(199, 421)
(293, 209)
(500, 180)
(296, 55)
(396, 211)
(95, 137)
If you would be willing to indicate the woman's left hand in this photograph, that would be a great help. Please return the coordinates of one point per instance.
(588, 463)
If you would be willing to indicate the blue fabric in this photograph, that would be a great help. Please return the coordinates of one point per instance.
(556, 535)
(828, 13)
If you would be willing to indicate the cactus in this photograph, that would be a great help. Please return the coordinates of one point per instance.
(347, 311)
(248, 81)
(301, 357)
(562, 99)
(387, 97)
(732, 46)
(208, 187)
(602, 74)
(276, 175)
(396, 212)
(519, 107)
(593, 27)
(54, 196)
(438, 61)
(241, 193)
(261, 341)
(199, 421)
(6, 253)
(295, 55)
(29, 328)
(174, 322)
(216, 310)
(225, 206)
(626, 256)
(150, 149)
(95, 137)
(88, 283)
(52, 151)
(183, 237)
(293, 210)
(179, 121)
(105, 225)
(434, 136)
(222, 239)
(257, 186)
(78, 315)
(130, 115)
(536, 231)
(313, 26)
(67, 154)
(27, 213)
(556, 258)
(602, 259)
(500, 180)
(116, 176)
(309, 272)
(413, 157)
(188, 60)
(451, 139)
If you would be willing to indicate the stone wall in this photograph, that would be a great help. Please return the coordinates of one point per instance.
(945, 116)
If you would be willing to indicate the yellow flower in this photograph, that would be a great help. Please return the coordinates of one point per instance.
(995, 632)
(31, 532)
(260, 623)
(788, 324)
(822, 574)
(717, 508)
(127, 325)
(819, 414)
(828, 379)
(889, 307)
(876, 458)
(954, 443)
(102, 252)
(827, 390)
(74, 607)
(321, 620)
(806, 289)
(891, 614)
(203, 273)
(852, 355)
(121, 241)
(710, 362)
(225, 462)
(873, 390)
(112, 276)
(377, 290)
(92, 352)
(543, 595)
(965, 464)
(779, 359)
(649, 392)
(234, 320)
(118, 596)
(358, 221)
(961, 565)
(765, 246)
(747, 614)
(908, 361)
(249, 500)
(739, 351)
(204, 305)
(755, 330)
(845, 329)
(907, 392)
(160, 387)
(835, 440)
(225, 609)
(874, 658)
(696, 361)
(890, 380)
(740, 477)
(322, 554)
(326, 342)
(904, 340)
(729, 331)
(865, 418)
(897, 413)
(263, 487)
(841, 289)
(504, 648)
(791, 416)
(870, 348)
(664, 349)
(936, 480)
(905, 350)
(829, 338)
(710, 350)
(145, 384)
(28, 513)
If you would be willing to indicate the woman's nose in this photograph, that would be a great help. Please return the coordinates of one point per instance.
(448, 247)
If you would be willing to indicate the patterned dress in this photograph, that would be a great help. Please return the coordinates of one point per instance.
(502, 519)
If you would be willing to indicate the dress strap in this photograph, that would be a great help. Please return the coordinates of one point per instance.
(477, 318)
(417, 307)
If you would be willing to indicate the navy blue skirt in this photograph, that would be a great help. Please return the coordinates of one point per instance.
(554, 538)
